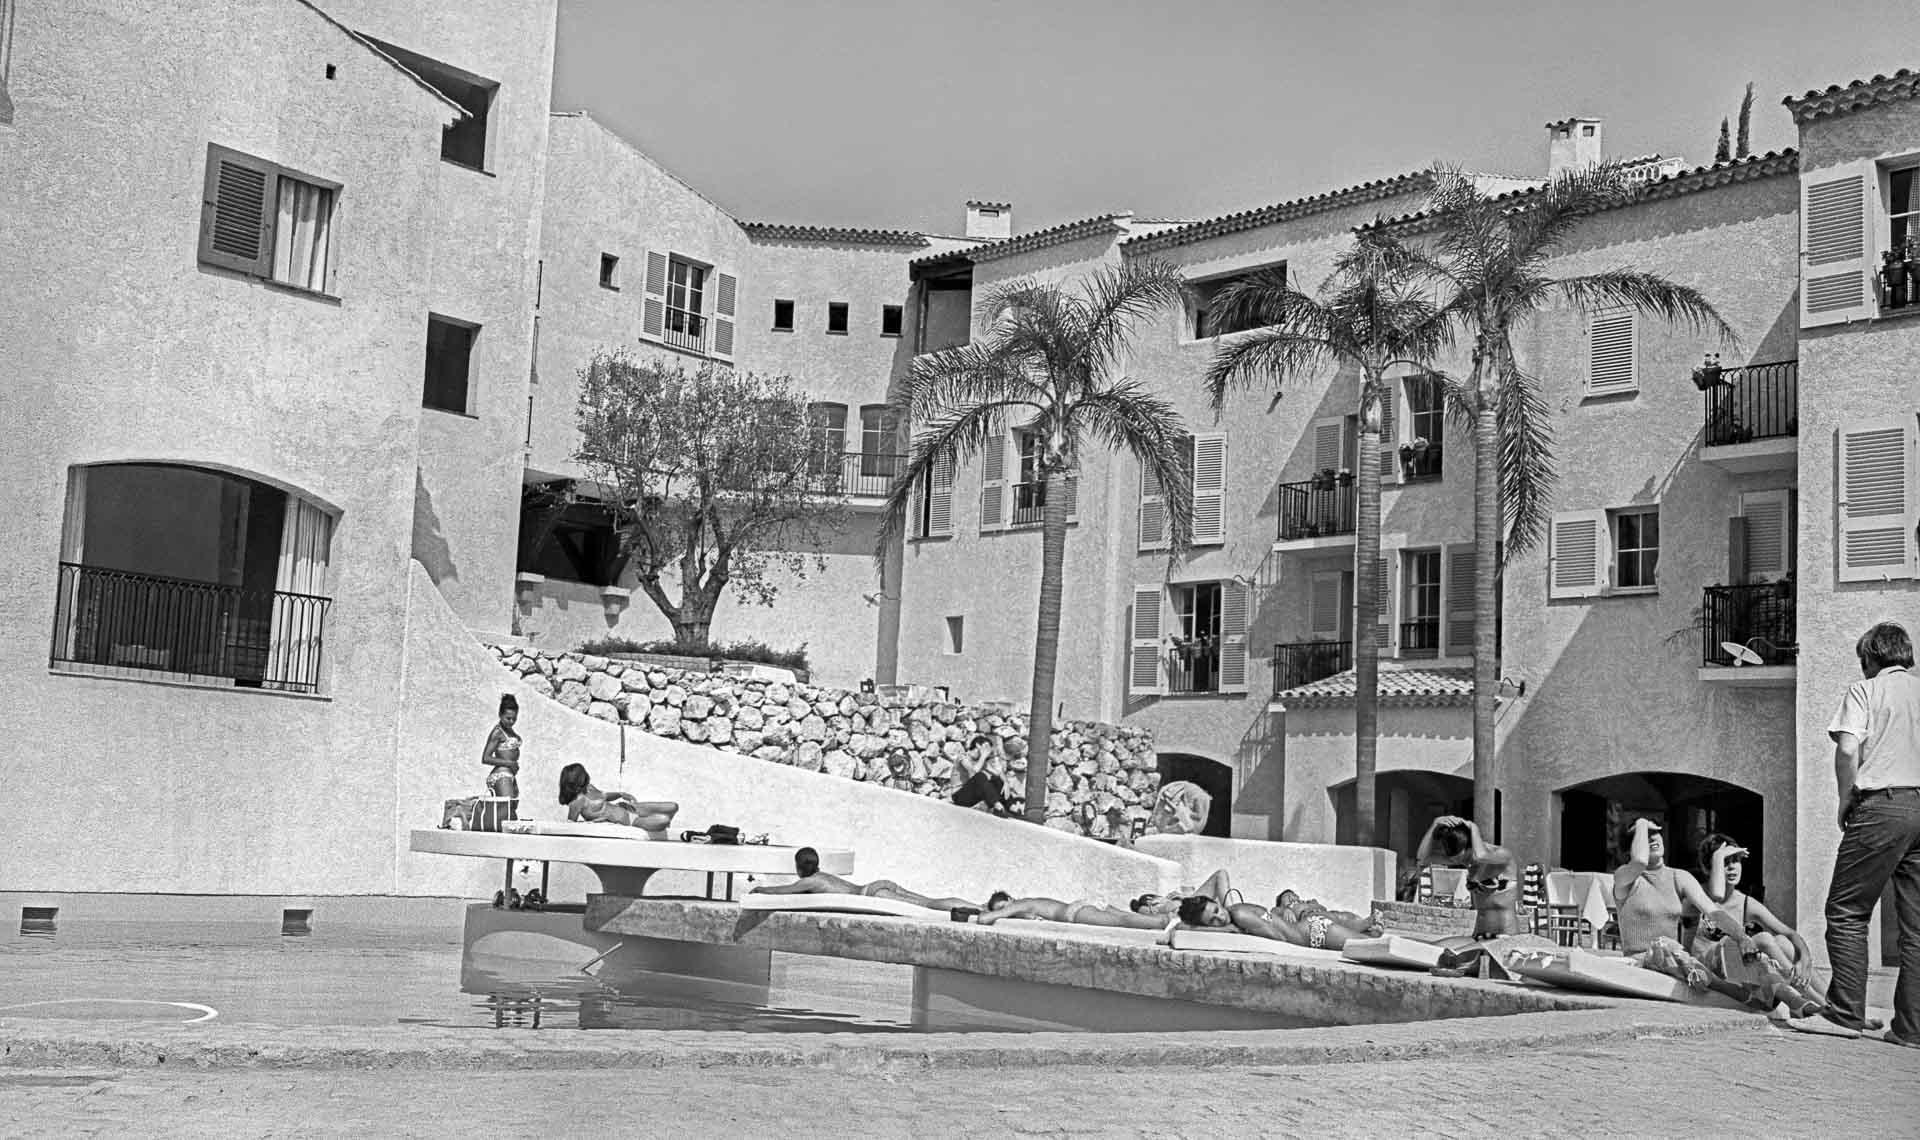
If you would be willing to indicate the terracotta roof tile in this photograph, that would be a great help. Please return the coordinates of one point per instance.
(1280, 211)
(1838, 100)
(1403, 688)
(1037, 239)
(781, 231)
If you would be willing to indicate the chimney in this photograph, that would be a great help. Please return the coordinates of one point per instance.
(1573, 144)
(989, 221)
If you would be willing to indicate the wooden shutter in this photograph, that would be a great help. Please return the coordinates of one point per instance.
(1153, 511)
(1383, 602)
(940, 498)
(1209, 488)
(1577, 555)
(993, 481)
(236, 221)
(1329, 439)
(1143, 660)
(1767, 544)
(1389, 436)
(1324, 616)
(1234, 604)
(1612, 353)
(1876, 500)
(653, 302)
(1838, 216)
(1459, 601)
(723, 299)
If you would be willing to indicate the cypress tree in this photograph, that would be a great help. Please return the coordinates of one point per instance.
(1743, 147)
(1724, 151)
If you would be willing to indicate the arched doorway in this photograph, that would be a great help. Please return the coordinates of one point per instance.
(1212, 777)
(1406, 803)
(1594, 814)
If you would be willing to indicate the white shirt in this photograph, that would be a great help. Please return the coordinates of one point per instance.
(1883, 713)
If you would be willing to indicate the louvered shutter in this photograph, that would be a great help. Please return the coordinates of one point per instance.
(1328, 438)
(1323, 605)
(1153, 511)
(1389, 437)
(723, 300)
(1234, 604)
(1876, 500)
(1459, 601)
(1767, 544)
(236, 222)
(1209, 488)
(1383, 603)
(940, 498)
(1143, 661)
(993, 481)
(1577, 555)
(653, 303)
(1612, 353)
(1838, 217)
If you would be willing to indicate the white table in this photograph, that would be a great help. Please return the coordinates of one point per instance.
(624, 865)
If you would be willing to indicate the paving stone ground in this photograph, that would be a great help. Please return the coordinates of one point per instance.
(1758, 1082)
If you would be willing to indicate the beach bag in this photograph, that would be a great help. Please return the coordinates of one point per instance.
(458, 814)
(720, 834)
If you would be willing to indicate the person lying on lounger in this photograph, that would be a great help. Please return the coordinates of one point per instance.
(1319, 931)
(1086, 912)
(1290, 903)
(1216, 887)
(583, 801)
(814, 881)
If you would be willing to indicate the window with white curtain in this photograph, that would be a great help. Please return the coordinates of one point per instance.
(267, 221)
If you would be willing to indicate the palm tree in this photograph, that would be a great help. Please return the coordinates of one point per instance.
(1494, 254)
(1371, 314)
(1049, 359)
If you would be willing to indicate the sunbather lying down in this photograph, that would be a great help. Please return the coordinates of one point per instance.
(1318, 931)
(1086, 912)
(1290, 904)
(1164, 906)
(814, 881)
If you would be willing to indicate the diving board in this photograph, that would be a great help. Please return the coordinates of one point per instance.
(623, 864)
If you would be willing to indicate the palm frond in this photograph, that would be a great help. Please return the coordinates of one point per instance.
(1549, 217)
(951, 438)
(1527, 471)
(1115, 301)
(941, 382)
(1128, 417)
(1681, 306)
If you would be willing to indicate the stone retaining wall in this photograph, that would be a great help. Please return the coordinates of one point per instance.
(1102, 778)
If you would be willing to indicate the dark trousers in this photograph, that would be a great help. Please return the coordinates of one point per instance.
(982, 787)
(1882, 843)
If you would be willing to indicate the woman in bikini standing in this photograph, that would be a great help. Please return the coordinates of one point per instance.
(501, 752)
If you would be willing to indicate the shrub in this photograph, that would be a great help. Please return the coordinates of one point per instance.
(756, 651)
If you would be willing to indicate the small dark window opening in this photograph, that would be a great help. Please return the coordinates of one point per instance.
(449, 353)
(783, 316)
(580, 545)
(609, 265)
(837, 317)
(889, 320)
(465, 142)
(330, 71)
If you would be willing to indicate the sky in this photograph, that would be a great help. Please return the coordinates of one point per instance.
(893, 114)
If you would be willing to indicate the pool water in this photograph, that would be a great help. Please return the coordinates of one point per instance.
(365, 975)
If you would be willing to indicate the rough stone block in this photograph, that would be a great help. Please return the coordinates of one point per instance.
(602, 710)
(697, 707)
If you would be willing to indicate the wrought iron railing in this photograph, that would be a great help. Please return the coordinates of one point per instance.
(685, 329)
(116, 618)
(1759, 618)
(1317, 507)
(1194, 669)
(1304, 662)
(866, 475)
(1420, 638)
(1760, 401)
(1029, 504)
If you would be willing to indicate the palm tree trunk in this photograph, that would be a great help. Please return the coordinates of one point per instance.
(1487, 517)
(1046, 643)
(1366, 613)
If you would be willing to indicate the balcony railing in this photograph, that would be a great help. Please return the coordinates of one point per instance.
(1317, 508)
(1195, 669)
(1029, 504)
(1304, 662)
(865, 475)
(1421, 466)
(1420, 638)
(1758, 617)
(1760, 401)
(685, 329)
(119, 619)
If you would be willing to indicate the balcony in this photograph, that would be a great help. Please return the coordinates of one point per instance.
(1317, 512)
(1193, 666)
(1029, 504)
(860, 475)
(124, 624)
(1304, 662)
(685, 330)
(1752, 416)
(1420, 638)
(1748, 634)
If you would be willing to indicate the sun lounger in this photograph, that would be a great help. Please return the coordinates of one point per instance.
(1232, 941)
(846, 904)
(1618, 977)
(581, 828)
(1393, 950)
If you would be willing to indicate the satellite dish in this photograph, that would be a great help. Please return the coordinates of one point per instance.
(1741, 654)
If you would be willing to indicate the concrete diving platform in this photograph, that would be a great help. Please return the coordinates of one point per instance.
(1310, 990)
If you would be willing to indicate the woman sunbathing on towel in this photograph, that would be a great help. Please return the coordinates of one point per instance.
(1317, 931)
(583, 801)
(1086, 912)
(814, 881)
(1290, 903)
(1164, 907)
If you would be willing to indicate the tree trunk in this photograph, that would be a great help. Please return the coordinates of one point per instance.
(692, 631)
(1046, 645)
(1366, 613)
(1488, 371)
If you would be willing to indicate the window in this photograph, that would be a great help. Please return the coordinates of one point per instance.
(956, 634)
(881, 458)
(266, 221)
(465, 142)
(1208, 463)
(837, 317)
(1636, 549)
(609, 267)
(1029, 492)
(686, 303)
(1208, 321)
(933, 501)
(1876, 500)
(827, 429)
(1419, 603)
(449, 356)
(889, 320)
(783, 316)
(1194, 665)
(1426, 428)
(1189, 637)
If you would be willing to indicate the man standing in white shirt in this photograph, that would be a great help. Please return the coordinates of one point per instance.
(1876, 761)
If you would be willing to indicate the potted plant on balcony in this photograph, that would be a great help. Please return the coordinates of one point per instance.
(1187, 650)
(1344, 477)
(1323, 479)
(1710, 374)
